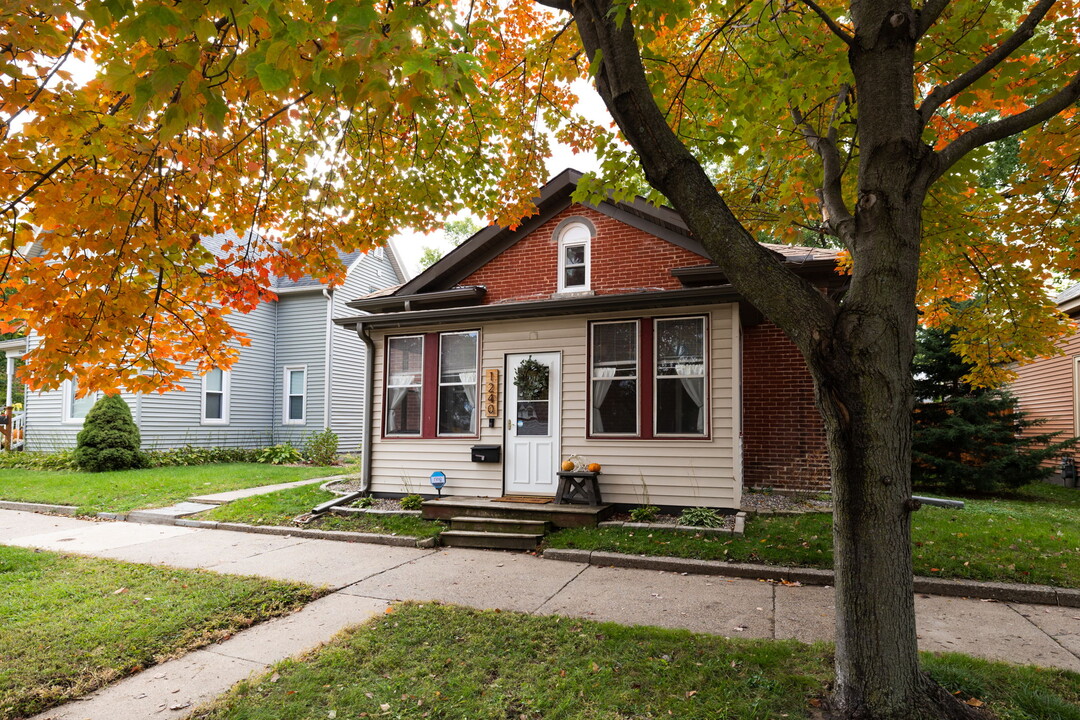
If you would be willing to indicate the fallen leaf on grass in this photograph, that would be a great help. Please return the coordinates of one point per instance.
(119, 590)
(974, 702)
(691, 693)
(275, 677)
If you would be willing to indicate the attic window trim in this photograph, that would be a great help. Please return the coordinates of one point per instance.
(569, 236)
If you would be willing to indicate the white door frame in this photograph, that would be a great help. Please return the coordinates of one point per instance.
(534, 472)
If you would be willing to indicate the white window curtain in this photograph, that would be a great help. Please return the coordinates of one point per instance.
(468, 384)
(692, 376)
(601, 386)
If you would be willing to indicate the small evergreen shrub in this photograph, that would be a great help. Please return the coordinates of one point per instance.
(701, 517)
(321, 448)
(109, 439)
(283, 454)
(644, 513)
(412, 502)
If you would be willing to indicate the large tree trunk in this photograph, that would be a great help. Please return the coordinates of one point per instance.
(859, 349)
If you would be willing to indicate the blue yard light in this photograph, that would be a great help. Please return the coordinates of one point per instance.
(438, 479)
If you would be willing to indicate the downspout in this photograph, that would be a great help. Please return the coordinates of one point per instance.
(365, 440)
(328, 368)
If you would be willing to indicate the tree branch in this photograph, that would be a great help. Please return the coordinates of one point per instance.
(928, 15)
(566, 5)
(832, 24)
(1003, 128)
(837, 219)
(943, 93)
(788, 300)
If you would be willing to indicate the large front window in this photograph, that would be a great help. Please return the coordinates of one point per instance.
(431, 385)
(649, 378)
(404, 385)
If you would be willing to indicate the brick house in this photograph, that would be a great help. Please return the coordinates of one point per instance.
(600, 331)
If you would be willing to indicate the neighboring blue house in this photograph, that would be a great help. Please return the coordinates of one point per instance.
(299, 375)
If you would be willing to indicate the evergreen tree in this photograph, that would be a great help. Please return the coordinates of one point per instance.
(969, 438)
(109, 439)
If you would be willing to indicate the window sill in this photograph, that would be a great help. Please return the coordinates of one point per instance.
(214, 422)
(294, 422)
(568, 294)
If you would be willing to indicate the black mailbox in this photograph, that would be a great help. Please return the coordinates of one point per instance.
(486, 453)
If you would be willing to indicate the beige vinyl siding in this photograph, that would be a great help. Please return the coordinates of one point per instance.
(1046, 389)
(669, 472)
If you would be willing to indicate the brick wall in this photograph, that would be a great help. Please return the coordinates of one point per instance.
(783, 433)
(623, 259)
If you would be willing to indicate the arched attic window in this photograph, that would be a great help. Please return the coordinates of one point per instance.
(575, 272)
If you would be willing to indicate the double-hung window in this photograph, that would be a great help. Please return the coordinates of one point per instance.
(680, 376)
(295, 404)
(76, 408)
(649, 378)
(431, 385)
(574, 244)
(404, 385)
(215, 397)
(614, 378)
(457, 383)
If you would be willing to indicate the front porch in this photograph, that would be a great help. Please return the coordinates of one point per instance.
(487, 523)
(12, 429)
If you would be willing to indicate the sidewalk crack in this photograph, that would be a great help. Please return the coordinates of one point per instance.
(1036, 626)
(386, 570)
(561, 588)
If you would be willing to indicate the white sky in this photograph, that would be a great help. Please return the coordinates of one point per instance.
(410, 245)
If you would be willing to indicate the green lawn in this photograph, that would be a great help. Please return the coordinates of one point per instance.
(71, 624)
(1032, 537)
(281, 507)
(155, 487)
(433, 661)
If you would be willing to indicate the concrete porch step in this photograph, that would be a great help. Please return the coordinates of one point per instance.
(490, 540)
(499, 525)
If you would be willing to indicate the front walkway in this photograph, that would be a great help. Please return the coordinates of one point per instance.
(365, 578)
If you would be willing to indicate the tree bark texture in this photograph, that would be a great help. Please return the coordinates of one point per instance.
(858, 349)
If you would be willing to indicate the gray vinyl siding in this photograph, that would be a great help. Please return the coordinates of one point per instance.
(372, 272)
(667, 471)
(302, 325)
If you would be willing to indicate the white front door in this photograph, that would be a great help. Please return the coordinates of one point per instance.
(533, 409)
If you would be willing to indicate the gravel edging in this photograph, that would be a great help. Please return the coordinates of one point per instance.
(38, 507)
(738, 526)
(1004, 592)
(346, 511)
(336, 535)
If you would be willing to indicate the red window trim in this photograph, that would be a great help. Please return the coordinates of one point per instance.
(646, 379)
(429, 388)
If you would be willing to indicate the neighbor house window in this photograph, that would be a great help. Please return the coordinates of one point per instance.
(295, 395)
(76, 408)
(649, 378)
(404, 385)
(575, 239)
(431, 385)
(215, 397)
(457, 383)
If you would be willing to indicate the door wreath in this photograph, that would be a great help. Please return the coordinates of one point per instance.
(531, 379)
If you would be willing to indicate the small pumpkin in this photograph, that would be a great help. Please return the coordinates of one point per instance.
(594, 467)
(567, 466)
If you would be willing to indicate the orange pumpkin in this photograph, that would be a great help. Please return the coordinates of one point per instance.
(567, 466)
(594, 467)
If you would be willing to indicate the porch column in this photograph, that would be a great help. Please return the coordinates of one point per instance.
(10, 378)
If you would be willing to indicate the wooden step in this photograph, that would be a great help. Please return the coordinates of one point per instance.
(499, 525)
(490, 540)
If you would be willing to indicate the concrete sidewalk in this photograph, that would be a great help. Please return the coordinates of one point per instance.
(366, 577)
